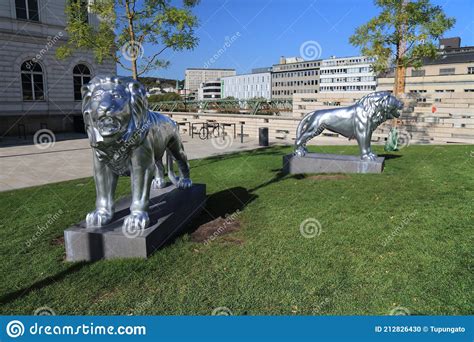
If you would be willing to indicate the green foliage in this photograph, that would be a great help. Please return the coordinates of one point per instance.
(418, 23)
(164, 97)
(132, 24)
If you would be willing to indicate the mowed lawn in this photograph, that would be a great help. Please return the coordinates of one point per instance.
(400, 241)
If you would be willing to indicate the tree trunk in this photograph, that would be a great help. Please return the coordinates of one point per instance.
(134, 69)
(133, 45)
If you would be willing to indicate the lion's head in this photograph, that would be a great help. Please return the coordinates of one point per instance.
(381, 106)
(113, 108)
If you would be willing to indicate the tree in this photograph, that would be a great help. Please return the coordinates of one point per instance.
(164, 97)
(126, 26)
(403, 34)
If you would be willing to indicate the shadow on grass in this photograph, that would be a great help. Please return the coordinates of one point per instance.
(39, 285)
(390, 156)
(221, 204)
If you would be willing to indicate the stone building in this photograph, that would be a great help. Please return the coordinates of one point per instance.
(451, 71)
(194, 77)
(295, 76)
(36, 89)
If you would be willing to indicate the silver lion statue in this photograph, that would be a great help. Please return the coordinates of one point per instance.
(354, 122)
(127, 138)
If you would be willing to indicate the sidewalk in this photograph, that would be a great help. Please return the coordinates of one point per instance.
(28, 165)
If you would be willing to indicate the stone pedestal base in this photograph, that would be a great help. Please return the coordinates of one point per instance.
(330, 163)
(170, 210)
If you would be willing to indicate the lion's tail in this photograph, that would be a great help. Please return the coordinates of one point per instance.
(169, 164)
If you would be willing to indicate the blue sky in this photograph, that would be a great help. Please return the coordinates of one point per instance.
(264, 30)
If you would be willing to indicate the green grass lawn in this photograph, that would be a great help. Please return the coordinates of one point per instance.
(403, 238)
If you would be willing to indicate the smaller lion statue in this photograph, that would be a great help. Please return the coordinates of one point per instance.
(128, 139)
(354, 122)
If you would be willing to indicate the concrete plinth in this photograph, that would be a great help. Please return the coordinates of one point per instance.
(330, 163)
(170, 210)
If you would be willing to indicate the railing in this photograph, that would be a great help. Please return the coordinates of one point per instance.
(252, 107)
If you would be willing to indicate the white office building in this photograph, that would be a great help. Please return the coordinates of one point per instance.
(247, 86)
(210, 90)
(348, 74)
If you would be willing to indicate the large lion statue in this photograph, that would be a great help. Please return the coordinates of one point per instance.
(354, 122)
(127, 138)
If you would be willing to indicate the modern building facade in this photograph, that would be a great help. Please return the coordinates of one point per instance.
(210, 90)
(295, 76)
(195, 76)
(247, 86)
(36, 89)
(347, 74)
(451, 71)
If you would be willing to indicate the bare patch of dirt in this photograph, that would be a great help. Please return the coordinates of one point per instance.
(215, 228)
(58, 241)
(328, 177)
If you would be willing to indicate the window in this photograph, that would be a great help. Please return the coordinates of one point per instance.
(81, 75)
(417, 73)
(82, 9)
(32, 81)
(446, 71)
(27, 9)
(470, 70)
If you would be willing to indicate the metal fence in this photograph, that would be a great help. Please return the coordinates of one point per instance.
(252, 107)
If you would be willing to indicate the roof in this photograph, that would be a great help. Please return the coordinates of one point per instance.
(452, 56)
(204, 69)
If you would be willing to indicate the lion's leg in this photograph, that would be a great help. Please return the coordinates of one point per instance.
(176, 149)
(105, 184)
(310, 133)
(142, 171)
(159, 180)
(364, 146)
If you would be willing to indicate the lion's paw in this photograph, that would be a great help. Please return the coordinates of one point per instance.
(98, 218)
(301, 151)
(136, 221)
(184, 183)
(158, 183)
(369, 156)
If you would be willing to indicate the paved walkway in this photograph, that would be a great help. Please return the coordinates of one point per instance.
(28, 165)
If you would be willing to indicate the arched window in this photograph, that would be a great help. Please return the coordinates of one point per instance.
(81, 75)
(32, 82)
(27, 9)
